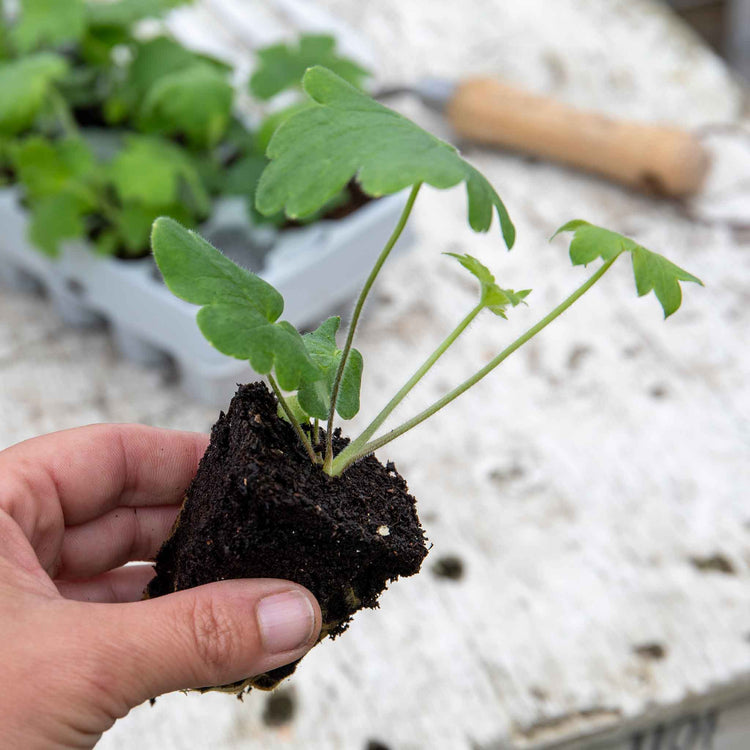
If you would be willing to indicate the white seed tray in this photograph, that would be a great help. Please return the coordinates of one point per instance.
(317, 268)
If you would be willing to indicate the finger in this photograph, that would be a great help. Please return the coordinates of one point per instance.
(215, 634)
(70, 477)
(121, 585)
(122, 535)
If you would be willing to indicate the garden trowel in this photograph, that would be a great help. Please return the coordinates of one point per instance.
(663, 160)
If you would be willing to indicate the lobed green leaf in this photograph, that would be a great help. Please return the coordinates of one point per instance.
(344, 134)
(493, 297)
(48, 23)
(315, 395)
(46, 168)
(281, 66)
(653, 272)
(195, 102)
(239, 311)
(153, 60)
(54, 219)
(151, 170)
(25, 86)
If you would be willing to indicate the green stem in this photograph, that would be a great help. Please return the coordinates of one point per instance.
(385, 252)
(316, 431)
(346, 458)
(63, 114)
(293, 421)
(370, 430)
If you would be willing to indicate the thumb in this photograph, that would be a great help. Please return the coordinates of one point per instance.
(209, 635)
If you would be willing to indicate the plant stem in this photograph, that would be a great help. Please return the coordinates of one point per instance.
(63, 114)
(293, 421)
(346, 458)
(369, 431)
(316, 431)
(385, 252)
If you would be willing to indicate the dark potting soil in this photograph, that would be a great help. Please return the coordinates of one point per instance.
(357, 199)
(258, 508)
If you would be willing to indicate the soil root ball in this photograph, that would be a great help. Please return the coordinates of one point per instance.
(258, 508)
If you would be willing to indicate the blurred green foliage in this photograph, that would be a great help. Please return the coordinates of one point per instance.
(104, 128)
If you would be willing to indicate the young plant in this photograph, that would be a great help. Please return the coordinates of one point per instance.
(70, 193)
(343, 134)
(296, 501)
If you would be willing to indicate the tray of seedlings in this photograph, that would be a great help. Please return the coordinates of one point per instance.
(108, 121)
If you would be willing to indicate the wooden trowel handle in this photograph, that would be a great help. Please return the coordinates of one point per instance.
(664, 160)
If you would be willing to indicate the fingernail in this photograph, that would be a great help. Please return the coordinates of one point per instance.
(286, 621)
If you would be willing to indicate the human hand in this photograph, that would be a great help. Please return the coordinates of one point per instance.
(77, 648)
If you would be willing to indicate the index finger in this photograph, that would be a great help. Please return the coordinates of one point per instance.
(87, 471)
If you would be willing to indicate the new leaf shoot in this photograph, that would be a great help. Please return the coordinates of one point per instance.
(315, 395)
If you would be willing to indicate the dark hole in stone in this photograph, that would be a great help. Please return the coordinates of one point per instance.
(513, 472)
(279, 708)
(658, 391)
(449, 566)
(169, 372)
(717, 563)
(539, 693)
(652, 651)
(577, 354)
(376, 745)
(75, 287)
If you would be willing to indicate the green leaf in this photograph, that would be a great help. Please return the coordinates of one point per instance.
(152, 61)
(315, 395)
(48, 23)
(242, 179)
(25, 86)
(282, 66)
(653, 272)
(272, 122)
(493, 297)
(195, 102)
(239, 310)
(56, 177)
(155, 59)
(293, 403)
(133, 224)
(46, 168)
(346, 134)
(107, 243)
(151, 170)
(55, 218)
